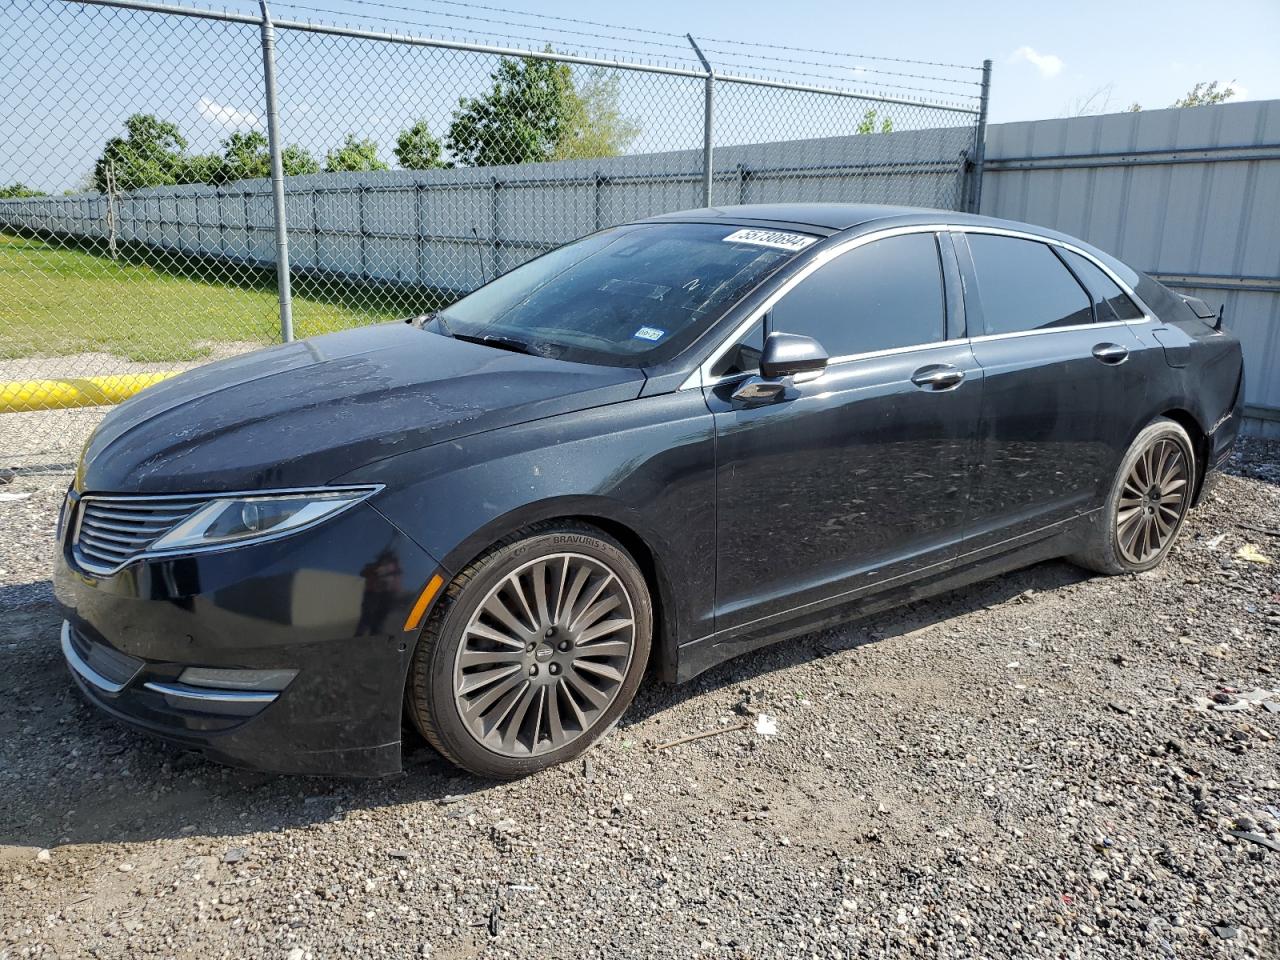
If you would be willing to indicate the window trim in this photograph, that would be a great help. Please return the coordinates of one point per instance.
(1097, 319)
(701, 376)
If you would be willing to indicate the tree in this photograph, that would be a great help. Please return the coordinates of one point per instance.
(596, 125)
(296, 161)
(1205, 94)
(353, 155)
(150, 154)
(247, 156)
(524, 117)
(868, 123)
(19, 191)
(200, 168)
(417, 149)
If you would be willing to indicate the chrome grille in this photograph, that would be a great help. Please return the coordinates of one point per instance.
(111, 531)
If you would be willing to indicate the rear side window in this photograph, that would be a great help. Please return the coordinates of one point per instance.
(1110, 302)
(880, 296)
(1024, 286)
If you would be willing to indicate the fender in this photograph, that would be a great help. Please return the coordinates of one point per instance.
(644, 471)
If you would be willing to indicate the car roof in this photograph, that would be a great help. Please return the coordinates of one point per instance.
(829, 218)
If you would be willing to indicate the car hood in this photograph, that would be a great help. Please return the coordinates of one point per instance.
(305, 412)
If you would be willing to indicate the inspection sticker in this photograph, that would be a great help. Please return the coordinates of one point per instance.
(779, 239)
(649, 333)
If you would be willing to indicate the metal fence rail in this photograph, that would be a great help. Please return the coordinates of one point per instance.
(215, 181)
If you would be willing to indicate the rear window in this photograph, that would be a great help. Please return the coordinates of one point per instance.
(1110, 302)
(629, 296)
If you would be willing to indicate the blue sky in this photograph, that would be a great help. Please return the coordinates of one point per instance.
(69, 87)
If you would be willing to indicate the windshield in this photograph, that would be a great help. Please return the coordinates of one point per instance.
(628, 296)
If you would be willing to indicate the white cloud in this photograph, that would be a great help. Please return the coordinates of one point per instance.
(1241, 91)
(225, 116)
(1049, 64)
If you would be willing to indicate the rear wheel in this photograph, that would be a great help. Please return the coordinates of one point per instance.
(533, 653)
(1148, 503)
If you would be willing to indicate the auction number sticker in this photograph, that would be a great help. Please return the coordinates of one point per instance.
(778, 239)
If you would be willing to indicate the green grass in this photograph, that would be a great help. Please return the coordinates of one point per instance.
(57, 299)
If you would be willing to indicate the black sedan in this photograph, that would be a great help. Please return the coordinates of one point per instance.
(651, 449)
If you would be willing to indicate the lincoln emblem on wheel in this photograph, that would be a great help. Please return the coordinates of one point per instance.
(625, 461)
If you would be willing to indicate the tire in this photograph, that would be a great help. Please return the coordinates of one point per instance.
(533, 652)
(1153, 487)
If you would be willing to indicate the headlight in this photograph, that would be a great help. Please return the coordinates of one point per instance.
(266, 516)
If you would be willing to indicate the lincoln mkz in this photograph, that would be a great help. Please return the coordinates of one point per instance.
(641, 453)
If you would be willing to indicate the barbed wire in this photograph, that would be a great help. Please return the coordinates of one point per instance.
(837, 66)
(579, 21)
(837, 53)
(685, 58)
(536, 43)
(848, 80)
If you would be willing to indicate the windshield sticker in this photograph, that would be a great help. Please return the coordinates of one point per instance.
(652, 334)
(778, 239)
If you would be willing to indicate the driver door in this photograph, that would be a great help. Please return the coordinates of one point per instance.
(857, 478)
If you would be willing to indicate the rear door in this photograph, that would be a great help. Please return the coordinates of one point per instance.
(857, 477)
(1057, 384)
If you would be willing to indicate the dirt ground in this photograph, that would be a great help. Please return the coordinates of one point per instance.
(1045, 765)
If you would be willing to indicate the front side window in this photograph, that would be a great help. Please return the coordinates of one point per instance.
(744, 355)
(1109, 301)
(880, 296)
(629, 296)
(1024, 286)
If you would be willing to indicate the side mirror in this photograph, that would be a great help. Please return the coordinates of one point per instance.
(787, 354)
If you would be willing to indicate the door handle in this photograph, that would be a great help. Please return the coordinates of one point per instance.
(938, 376)
(1111, 353)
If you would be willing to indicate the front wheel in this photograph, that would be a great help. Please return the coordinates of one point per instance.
(1147, 505)
(533, 653)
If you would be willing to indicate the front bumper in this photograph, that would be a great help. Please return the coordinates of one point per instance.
(325, 607)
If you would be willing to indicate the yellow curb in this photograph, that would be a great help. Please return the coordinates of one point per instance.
(23, 396)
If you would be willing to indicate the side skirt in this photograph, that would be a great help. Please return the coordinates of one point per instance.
(1060, 540)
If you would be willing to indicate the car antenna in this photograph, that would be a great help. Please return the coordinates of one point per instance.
(484, 277)
(1221, 308)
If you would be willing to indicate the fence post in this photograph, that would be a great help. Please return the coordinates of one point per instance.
(980, 142)
(277, 173)
(707, 125)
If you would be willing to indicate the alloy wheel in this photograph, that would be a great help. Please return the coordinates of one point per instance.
(1152, 501)
(544, 655)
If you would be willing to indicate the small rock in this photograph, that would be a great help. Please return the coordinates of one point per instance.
(125, 867)
(44, 855)
(1225, 932)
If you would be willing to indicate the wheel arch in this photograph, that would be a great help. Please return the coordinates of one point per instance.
(612, 520)
(1199, 444)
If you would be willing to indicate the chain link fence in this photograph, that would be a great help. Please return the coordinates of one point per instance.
(142, 231)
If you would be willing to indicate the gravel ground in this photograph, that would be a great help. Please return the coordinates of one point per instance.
(1045, 765)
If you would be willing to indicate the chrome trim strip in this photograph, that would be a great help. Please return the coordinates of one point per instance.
(82, 668)
(181, 691)
(701, 377)
(1043, 330)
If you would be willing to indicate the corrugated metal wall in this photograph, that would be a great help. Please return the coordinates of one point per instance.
(446, 228)
(1191, 196)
